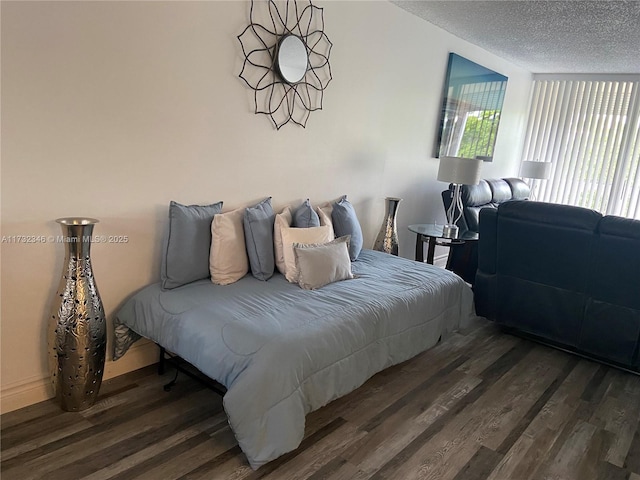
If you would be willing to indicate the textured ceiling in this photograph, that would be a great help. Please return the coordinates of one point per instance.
(580, 36)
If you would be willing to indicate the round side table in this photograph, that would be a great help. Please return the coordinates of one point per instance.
(431, 234)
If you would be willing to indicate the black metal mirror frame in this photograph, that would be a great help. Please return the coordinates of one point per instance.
(281, 99)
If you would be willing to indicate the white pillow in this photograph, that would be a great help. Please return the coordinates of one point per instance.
(283, 219)
(291, 235)
(228, 261)
(319, 265)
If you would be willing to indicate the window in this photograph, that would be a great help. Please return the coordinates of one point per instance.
(590, 131)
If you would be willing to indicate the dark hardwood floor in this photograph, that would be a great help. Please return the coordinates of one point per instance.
(480, 405)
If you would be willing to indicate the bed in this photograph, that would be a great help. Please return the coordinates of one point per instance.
(282, 352)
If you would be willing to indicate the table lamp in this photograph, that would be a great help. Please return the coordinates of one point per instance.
(535, 171)
(458, 171)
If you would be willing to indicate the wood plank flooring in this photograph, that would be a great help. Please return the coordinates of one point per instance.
(480, 405)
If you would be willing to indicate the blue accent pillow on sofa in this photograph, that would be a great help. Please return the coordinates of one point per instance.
(305, 216)
(258, 235)
(345, 222)
(186, 252)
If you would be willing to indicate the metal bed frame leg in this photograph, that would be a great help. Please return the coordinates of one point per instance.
(161, 362)
(168, 386)
(175, 361)
(161, 370)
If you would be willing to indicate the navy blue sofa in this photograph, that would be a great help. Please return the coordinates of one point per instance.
(565, 275)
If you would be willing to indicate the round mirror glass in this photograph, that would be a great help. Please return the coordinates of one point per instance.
(292, 60)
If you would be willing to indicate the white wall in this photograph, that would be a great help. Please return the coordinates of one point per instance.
(111, 110)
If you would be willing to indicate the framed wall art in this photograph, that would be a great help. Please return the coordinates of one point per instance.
(471, 110)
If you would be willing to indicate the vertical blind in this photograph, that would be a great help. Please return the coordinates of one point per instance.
(590, 132)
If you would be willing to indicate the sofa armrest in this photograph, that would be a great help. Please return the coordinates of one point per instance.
(485, 286)
(488, 241)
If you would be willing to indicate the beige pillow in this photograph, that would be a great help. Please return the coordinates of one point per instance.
(324, 212)
(291, 235)
(283, 219)
(228, 260)
(319, 265)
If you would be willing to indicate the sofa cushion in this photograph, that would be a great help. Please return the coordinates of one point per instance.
(474, 198)
(546, 243)
(625, 228)
(616, 259)
(519, 189)
(500, 190)
(562, 216)
(475, 195)
(472, 216)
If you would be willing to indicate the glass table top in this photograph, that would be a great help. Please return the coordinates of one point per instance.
(435, 230)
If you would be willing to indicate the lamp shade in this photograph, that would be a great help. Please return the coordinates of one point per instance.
(463, 171)
(540, 170)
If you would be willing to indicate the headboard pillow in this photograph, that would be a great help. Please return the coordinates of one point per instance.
(325, 219)
(258, 234)
(291, 235)
(345, 222)
(321, 264)
(185, 256)
(305, 216)
(324, 211)
(228, 260)
(283, 219)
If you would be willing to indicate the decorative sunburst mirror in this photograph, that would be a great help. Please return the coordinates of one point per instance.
(287, 62)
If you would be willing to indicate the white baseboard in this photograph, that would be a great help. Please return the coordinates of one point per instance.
(25, 392)
(37, 389)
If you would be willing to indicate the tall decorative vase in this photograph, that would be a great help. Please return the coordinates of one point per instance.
(387, 239)
(77, 326)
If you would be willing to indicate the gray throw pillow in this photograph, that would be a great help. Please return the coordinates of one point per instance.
(258, 235)
(186, 252)
(305, 216)
(321, 264)
(345, 222)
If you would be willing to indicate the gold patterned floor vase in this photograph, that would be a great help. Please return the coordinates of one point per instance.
(387, 239)
(77, 326)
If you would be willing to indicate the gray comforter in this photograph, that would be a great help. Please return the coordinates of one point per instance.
(283, 352)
